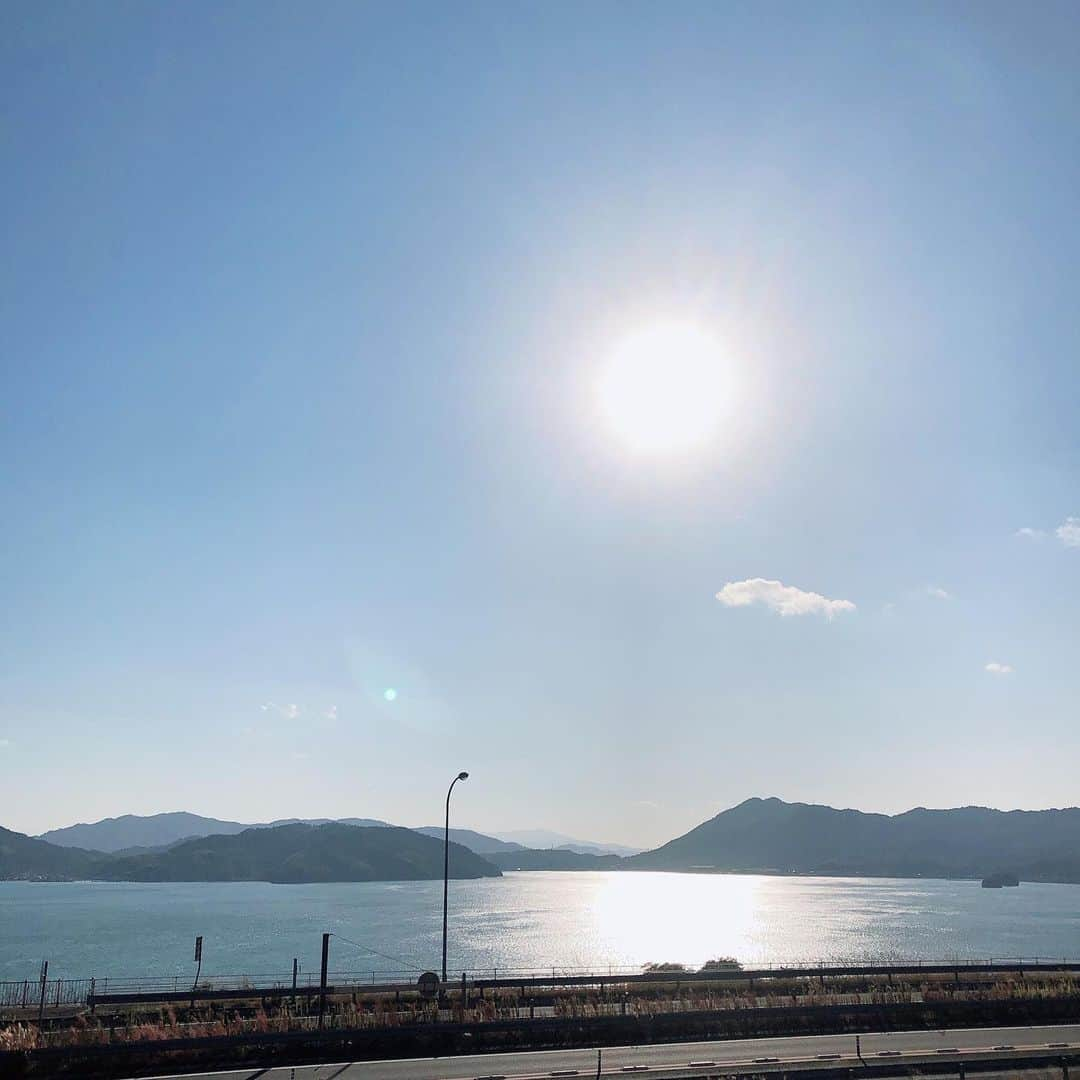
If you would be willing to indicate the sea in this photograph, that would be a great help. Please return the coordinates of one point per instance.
(521, 922)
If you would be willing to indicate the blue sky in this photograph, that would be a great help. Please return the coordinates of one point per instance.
(302, 315)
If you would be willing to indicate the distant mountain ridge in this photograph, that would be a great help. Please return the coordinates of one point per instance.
(140, 834)
(968, 842)
(303, 853)
(474, 841)
(159, 830)
(545, 839)
(757, 836)
(554, 859)
(284, 853)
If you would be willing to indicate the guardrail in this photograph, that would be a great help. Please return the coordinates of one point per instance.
(334, 1042)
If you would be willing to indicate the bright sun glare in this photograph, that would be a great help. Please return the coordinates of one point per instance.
(665, 388)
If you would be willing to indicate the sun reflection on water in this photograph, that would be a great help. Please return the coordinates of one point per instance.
(635, 916)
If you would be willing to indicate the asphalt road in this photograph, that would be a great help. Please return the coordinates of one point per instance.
(877, 1047)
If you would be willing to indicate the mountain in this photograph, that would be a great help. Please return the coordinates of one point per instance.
(284, 853)
(553, 859)
(361, 822)
(24, 858)
(133, 830)
(474, 841)
(135, 834)
(296, 853)
(763, 835)
(582, 848)
(968, 842)
(160, 830)
(545, 838)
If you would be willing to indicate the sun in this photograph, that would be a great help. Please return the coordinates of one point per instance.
(665, 388)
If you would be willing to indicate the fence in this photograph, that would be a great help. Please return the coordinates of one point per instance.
(27, 993)
(57, 992)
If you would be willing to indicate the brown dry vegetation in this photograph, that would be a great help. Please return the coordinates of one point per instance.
(362, 1010)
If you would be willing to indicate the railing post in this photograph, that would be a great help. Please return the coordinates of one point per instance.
(322, 977)
(44, 982)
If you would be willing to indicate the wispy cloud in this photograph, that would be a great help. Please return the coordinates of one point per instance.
(999, 669)
(938, 593)
(1069, 532)
(289, 712)
(783, 599)
(331, 713)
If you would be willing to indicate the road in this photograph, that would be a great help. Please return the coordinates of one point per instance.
(620, 1060)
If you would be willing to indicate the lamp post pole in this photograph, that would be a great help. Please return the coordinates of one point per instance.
(446, 867)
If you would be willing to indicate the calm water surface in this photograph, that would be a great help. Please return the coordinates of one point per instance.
(522, 920)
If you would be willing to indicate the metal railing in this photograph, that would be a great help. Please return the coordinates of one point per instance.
(29, 993)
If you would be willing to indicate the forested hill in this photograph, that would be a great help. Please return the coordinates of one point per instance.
(775, 836)
(295, 853)
(162, 830)
(287, 854)
(25, 857)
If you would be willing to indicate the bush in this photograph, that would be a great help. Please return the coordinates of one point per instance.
(722, 963)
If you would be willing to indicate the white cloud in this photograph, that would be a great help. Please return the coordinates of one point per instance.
(1069, 532)
(938, 593)
(331, 713)
(287, 712)
(783, 599)
(4, 743)
(999, 669)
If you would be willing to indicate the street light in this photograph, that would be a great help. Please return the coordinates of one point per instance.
(446, 867)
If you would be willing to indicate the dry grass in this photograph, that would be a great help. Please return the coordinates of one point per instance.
(372, 1011)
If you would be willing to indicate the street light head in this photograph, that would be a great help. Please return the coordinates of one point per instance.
(463, 776)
